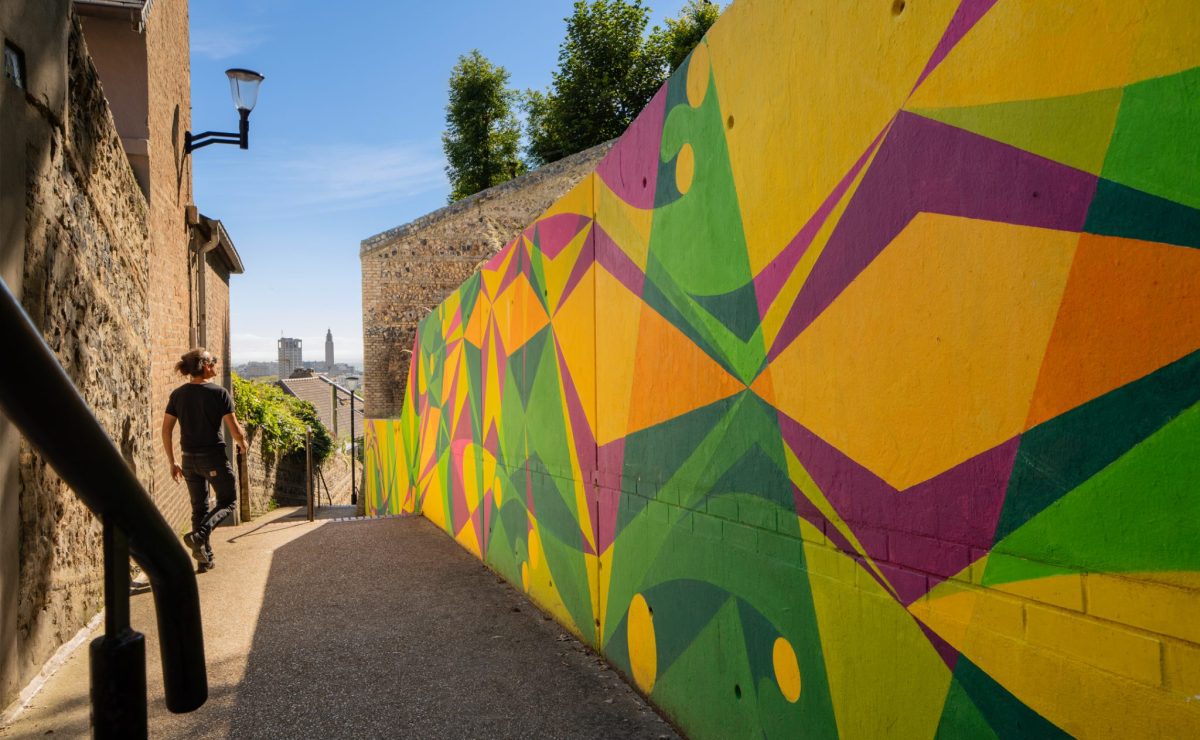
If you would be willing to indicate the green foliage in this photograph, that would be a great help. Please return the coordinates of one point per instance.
(607, 72)
(482, 137)
(682, 34)
(281, 419)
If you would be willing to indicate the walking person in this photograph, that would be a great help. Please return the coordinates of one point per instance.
(200, 408)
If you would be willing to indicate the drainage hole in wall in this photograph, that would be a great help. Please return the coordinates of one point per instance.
(643, 182)
(898, 7)
(737, 691)
(729, 122)
(1035, 193)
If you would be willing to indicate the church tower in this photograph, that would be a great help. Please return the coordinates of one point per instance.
(329, 351)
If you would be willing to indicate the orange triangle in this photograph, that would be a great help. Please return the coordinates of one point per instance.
(519, 314)
(672, 376)
(1129, 308)
(764, 387)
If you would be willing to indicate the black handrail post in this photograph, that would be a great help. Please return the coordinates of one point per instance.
(118, 657)
(39, 398)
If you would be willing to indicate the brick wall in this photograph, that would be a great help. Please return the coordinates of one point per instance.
(86, 286)
(168, 70)
(408, 270)
(857, 393)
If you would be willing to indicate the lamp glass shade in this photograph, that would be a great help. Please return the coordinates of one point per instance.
(243, 85)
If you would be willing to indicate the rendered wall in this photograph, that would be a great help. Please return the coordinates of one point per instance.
(856, 393)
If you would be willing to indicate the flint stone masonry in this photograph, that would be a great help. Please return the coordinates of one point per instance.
(410, 269)
(85, 285)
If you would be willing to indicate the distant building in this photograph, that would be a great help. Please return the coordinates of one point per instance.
(291, 355)
(257, 369)
(329, 350)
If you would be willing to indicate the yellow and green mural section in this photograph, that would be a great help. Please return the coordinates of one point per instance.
(856, 392)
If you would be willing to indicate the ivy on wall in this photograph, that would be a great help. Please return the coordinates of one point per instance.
(281, 419)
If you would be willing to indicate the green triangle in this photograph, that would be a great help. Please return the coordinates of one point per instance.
(1056, 457)
(1139, 514)
(1074, 130)
(961, 718)
(1007, 716)
(1154, 145)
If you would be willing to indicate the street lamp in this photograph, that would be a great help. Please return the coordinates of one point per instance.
(353, 457)
(243, 85)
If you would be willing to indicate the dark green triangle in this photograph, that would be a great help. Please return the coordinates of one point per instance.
(1118, 210)
(1059, 455)
(1008, 717)
(961, 718)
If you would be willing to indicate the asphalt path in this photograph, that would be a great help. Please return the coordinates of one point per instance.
(360, 628)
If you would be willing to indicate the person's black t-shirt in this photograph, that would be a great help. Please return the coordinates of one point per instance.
(200, 407)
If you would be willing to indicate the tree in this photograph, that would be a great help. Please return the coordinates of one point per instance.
(682, 34)
(483, 137)
(607, 72)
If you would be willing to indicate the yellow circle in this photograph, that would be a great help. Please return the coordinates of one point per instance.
(787, 670)
(685, 168)
(535, 549)
(525, 576)
(697, 75)
(643, 653)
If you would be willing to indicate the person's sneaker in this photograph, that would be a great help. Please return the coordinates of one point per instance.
(205, 567)
(194, 541)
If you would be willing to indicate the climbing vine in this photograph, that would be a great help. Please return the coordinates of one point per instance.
(281, 420)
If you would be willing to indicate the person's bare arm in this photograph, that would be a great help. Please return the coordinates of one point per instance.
(235, 428)
(168, 430)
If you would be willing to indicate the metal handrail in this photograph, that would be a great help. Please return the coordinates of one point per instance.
(39, 397)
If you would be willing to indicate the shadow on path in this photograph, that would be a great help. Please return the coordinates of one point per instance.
(386, 628)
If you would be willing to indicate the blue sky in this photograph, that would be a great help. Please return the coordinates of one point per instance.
(345, 141)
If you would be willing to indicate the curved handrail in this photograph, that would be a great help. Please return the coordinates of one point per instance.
(37, 395)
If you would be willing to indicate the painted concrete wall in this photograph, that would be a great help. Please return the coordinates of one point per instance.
(856, 392)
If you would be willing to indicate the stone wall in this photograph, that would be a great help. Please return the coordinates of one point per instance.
(85, 285)
(408, 270)
(282, 480)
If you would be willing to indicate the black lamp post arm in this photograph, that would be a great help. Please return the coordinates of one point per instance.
(192, 142)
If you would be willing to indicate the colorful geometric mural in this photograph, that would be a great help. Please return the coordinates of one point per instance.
(857, 392)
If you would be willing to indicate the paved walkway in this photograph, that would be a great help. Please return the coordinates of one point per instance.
(365, 629)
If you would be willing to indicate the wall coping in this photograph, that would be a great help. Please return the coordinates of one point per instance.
(387, 238)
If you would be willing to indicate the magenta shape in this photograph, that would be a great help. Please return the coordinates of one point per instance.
(927, 166)
(553, 234)
(925, 533)
(494, 263)
(587, 256)
(611, 461)
(458, 493)
(770, 281)
(968, 14)
(585, 440)
(618, 264)
(630, 169)
(945, 650)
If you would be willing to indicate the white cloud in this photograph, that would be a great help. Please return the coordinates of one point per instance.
(223, 43)
(335, 178)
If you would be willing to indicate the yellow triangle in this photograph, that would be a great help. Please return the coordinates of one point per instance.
(575, 330)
